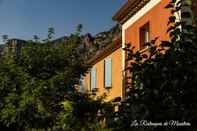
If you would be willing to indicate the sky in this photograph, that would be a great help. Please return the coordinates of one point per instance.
(24, 18)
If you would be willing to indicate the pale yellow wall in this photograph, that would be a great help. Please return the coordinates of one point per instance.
(87, 82)
(116, 89)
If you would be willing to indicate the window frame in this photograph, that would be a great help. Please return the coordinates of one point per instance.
(143, 37)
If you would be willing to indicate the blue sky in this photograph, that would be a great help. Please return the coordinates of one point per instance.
(25, 18)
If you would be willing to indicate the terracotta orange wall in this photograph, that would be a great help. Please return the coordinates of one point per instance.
(157, 18)
(116, 89)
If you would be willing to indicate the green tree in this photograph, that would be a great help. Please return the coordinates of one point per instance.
(34, 85)
(163, 84)
(51, 32)
(83, 113)
(5, 38)
(36, 38)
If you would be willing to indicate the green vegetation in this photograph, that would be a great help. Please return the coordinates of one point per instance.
(38, 88)
(163, 84)
(33, 85)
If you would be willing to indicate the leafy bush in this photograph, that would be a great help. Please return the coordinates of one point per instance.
(34, 84)
(163, 80)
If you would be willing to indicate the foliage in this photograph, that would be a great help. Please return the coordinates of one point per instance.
(33, 85)
(51, 32)
(4, 38)
(82, 113)
(163, 80)
(38, 89)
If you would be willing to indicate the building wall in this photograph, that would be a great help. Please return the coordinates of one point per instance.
(154, 13)
(194, 7)
(116, 89)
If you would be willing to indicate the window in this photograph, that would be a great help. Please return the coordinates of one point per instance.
(93, 79)
(144, 35)
(108, 73)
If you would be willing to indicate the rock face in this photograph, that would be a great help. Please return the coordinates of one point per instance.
(89, 45)
(12, 45)
(2, 48)
(104, 38)
(15, 45)
(94, 45)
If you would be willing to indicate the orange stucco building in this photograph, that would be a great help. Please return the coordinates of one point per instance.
(141, 21)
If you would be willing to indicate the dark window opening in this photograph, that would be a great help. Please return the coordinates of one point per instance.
(144, 35)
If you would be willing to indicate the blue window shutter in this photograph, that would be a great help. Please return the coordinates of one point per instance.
(93, 78)
(81, 84)
(108, 72)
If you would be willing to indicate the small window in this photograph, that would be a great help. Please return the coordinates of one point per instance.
(93, 79)
(108, 73)
(144, 35)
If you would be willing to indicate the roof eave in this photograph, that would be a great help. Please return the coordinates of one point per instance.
(128, 10)
(116, 44)
(119, 13)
